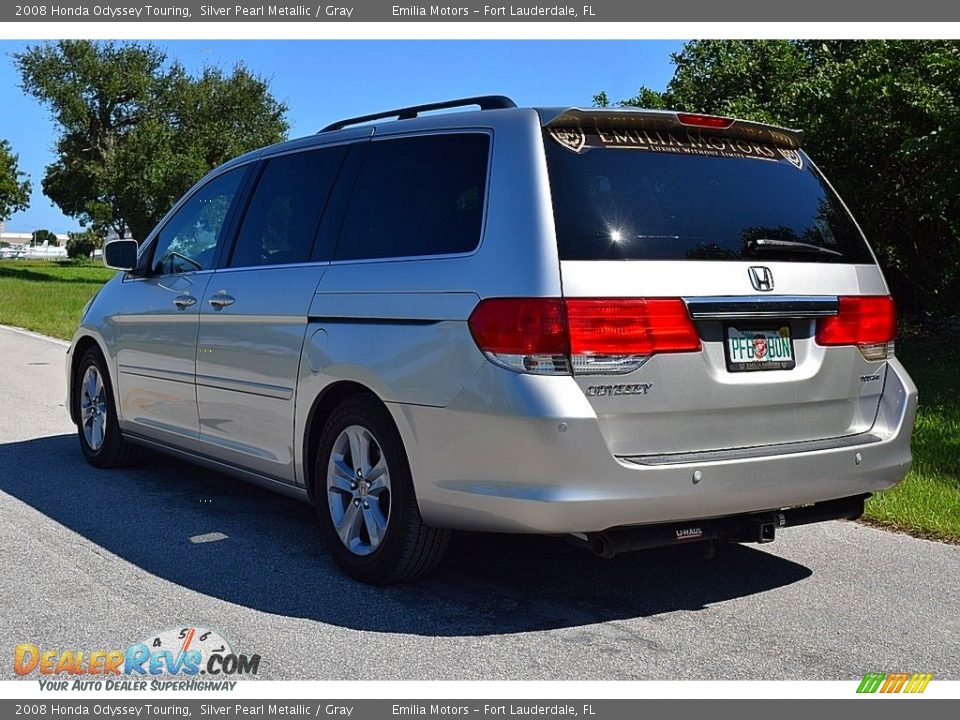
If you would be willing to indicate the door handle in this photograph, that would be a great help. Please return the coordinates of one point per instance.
(221, 300)
(184, 301)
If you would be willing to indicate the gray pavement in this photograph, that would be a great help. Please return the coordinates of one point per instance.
(99, 559)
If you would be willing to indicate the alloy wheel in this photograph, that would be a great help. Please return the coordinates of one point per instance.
(93, 408)
(358, 490)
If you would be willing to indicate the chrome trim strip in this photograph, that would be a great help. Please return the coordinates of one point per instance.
(749, 306)
(359, 320)
(318, 264)
(251, 388)
(157, 373)
(210, 315)
(710, 456)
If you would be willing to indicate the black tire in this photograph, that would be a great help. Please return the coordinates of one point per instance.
(409, 548)
(114, 450)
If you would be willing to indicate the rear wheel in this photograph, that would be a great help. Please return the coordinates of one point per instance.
(97, 427)
(365, 499)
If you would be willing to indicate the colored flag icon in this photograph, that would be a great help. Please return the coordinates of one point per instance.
(894, 682)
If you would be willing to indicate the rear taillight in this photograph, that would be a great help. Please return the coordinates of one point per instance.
(582, 335)
(867, 321)
(618, 335)
(523, 334)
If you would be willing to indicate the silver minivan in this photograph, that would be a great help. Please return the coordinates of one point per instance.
(628, 327)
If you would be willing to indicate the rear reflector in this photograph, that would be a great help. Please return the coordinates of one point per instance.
(590, 335)
(705, 121)
(867, 321)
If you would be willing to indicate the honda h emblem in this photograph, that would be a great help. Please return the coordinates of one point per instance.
(761, 278)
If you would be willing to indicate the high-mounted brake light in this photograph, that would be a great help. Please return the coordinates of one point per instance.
(705, 121)
(585, 335)
(867, 321)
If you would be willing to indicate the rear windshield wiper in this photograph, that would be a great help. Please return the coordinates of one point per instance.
(789, 246)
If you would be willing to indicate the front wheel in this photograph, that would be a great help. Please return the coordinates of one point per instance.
(365, 499)
(97, 427)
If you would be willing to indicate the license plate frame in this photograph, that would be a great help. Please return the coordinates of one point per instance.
(767, 331)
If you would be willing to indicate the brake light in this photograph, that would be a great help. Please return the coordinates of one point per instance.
(523, 334)
(582, 335)
(706, 121)
(867, 321)
(633, 326)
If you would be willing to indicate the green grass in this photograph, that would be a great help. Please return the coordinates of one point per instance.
(927, 502)
(48, 296)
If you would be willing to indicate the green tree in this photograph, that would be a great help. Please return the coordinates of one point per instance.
(882, 118)
(41, 236)
(136, 131)
(14, 184)
(81, 244)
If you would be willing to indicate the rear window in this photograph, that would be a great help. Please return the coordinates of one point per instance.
(638, 195)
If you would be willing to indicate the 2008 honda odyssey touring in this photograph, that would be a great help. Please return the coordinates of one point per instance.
(628, 327)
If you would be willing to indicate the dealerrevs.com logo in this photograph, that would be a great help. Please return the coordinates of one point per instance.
(185, 658)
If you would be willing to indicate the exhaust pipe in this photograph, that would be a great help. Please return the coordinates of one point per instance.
(602, 546)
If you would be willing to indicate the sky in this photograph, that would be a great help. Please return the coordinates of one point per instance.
(323, 80)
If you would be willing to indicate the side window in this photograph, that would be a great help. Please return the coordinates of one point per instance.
(417, 196)
(281, 221)
(188, 241)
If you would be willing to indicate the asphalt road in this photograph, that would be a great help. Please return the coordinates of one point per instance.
(95, 559)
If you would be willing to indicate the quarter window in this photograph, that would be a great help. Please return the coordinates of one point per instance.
(417, 196)
(189, 240)
(284, 213)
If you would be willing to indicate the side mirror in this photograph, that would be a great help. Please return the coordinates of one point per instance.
(120, 255)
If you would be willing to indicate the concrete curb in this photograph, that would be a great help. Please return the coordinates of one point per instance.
(38, 336)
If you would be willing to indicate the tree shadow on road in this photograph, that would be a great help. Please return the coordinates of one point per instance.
(273, 560)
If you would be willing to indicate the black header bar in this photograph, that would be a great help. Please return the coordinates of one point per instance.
(471, 11)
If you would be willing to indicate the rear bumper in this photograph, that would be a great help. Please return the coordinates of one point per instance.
(520, 453)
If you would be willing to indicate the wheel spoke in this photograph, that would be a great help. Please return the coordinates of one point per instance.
(349, 528)
(375, 522)
(380, 486)
(340, 480)
(342, 469)
(97, 434)
(376, 473)
(91, 383)
(355, 436)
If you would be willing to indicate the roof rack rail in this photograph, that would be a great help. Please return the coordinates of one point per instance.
(486, 102)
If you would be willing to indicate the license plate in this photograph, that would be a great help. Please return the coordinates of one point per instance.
(759, 348)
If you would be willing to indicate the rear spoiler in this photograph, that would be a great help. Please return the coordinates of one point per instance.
(669, 120)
